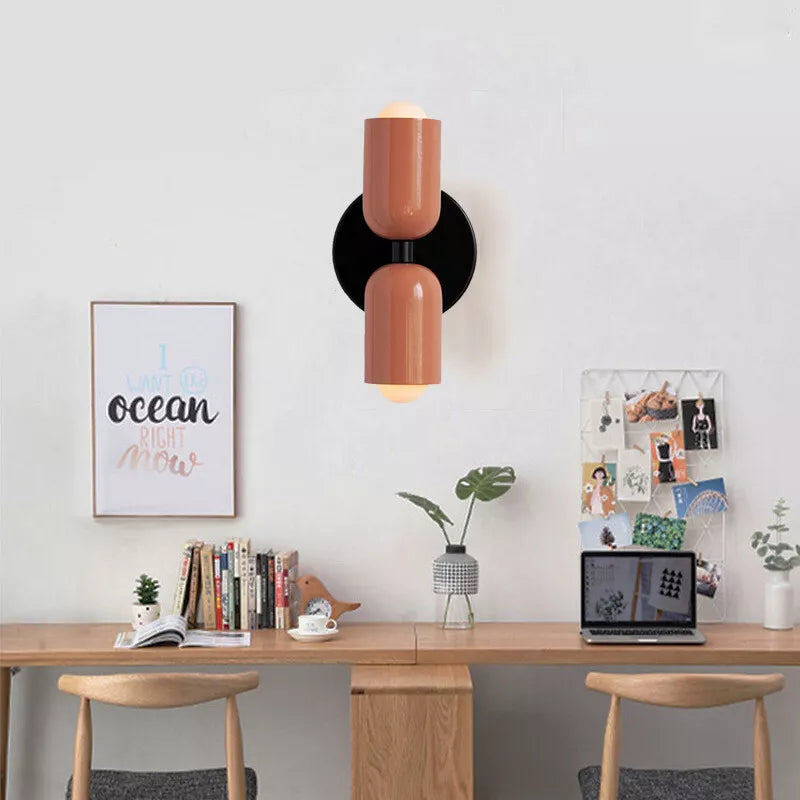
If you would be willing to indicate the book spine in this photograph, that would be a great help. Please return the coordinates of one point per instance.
(179, 603)
(251, 593)
(259, 597)
(218, 589)
(264, 619)
(237, 587)
(292, 600)
(244, 558)
(231, 592)
(207, 583)
(278, 590)
(271, 589)
(224, 581)
(285, 590)
(194, 583)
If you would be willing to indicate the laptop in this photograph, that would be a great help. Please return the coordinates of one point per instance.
(639, 597)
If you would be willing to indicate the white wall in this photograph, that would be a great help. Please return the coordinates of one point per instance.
(632, 173)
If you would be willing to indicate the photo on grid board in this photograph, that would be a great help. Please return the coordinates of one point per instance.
(635, 480)
(651, 405)
(700, 423)
(704, 497)
(606, 534)
(668, 458)
(606, 426)
(599, 490)
(709, 575)
(662, 533)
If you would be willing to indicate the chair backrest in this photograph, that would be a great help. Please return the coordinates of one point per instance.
(686, 691)
(153, 690)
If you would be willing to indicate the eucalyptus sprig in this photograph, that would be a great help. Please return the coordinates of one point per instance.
(481, 483)
(146, 590)
(779, 556)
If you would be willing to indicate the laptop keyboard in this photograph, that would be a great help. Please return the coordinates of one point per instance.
(640, 632)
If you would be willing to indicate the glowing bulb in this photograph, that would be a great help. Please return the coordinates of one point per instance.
(400, 393)
(401, 109)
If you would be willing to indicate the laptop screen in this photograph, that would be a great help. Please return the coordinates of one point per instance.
(635, 587)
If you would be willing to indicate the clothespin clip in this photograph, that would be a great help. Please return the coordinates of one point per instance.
(699, 397)
(664, 387)
(608, 397)
(691, 480)
(638, 447)
(603, 459)
(667, 513)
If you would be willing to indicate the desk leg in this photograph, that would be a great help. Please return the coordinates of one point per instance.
(5, 698)
(411, 733)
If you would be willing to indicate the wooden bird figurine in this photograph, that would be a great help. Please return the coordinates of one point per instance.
(316, 599)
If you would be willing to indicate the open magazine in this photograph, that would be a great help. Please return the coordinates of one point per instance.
(171, 629)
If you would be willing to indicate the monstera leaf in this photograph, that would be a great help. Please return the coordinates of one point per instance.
(430, 508)
(486, 483)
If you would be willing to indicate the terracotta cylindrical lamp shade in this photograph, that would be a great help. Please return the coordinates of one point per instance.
(402, 185)
(403, 335)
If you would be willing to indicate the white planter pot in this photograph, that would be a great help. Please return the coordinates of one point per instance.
(778, 601)
(141, 615)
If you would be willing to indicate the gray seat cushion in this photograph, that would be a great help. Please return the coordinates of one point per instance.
(717, 783)
(200, 784)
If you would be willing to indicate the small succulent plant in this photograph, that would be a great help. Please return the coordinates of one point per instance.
(146, 590)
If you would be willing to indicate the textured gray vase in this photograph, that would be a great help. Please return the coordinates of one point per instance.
(455, 577)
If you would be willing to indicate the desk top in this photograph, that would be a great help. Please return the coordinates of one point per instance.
(730, 643)
(91, 644)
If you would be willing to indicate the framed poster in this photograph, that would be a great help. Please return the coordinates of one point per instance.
(163, 409)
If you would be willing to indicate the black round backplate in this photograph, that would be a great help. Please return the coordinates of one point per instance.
(449, 251)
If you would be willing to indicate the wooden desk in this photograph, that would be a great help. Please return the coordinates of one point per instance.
(92, 644)
(729, 644)
(388, 644)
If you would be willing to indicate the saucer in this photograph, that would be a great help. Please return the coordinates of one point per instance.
(303, 636)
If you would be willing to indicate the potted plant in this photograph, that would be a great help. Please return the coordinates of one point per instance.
(780, 558)
(455, 572)
(147, 608)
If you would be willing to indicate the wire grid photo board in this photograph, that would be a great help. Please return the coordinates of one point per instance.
(704, 459)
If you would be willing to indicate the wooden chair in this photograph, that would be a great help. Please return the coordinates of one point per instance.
(160, 691)
(608, 782)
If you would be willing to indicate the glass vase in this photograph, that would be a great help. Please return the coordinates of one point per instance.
(455, 580)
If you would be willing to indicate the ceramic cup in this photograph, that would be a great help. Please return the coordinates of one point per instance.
(316, 623)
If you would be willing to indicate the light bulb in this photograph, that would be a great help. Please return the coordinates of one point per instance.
(402, 109)
(401, 393)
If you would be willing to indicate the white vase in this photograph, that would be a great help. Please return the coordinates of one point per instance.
(778, 601)
(142, 614)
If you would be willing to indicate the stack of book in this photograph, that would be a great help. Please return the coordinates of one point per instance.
(230, 588)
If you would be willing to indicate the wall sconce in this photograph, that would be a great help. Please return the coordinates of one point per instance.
(404, 252)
